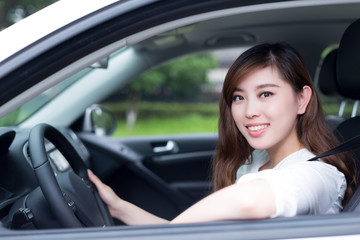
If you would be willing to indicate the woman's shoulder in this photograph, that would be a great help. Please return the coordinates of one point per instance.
(314, 171)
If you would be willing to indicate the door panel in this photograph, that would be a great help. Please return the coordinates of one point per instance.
(162, 182)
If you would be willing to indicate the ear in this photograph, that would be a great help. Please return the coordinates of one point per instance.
(303, 99)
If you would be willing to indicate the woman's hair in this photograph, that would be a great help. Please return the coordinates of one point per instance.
(232, 148)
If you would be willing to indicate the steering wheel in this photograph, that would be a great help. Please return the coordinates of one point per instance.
(72, 197)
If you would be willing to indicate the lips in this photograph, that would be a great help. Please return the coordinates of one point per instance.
(257, 130)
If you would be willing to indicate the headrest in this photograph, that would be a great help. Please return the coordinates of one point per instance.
(326, 79)
(348, 62)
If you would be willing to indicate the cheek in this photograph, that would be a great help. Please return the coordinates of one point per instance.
(233, 111)
(236, 112)
(285, 109)
(238, 117)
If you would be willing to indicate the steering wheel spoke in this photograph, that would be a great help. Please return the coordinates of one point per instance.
(71, 196)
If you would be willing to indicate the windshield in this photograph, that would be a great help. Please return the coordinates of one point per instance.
(28, 109)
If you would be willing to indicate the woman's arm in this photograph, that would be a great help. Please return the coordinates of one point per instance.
(251, 200)
(123, 210)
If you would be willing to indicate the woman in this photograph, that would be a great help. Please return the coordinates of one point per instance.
(270, 125)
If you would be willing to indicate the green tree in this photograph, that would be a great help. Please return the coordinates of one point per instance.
(15, 10)
(182, 78)
(179, 79)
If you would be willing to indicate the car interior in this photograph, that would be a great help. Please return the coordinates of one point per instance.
(348, 84)
(163, 174)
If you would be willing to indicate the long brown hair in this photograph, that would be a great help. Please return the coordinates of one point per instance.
(233, 150)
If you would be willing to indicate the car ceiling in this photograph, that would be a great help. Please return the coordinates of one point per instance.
(310, 29)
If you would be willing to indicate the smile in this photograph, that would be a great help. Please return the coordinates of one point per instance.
(257, 127)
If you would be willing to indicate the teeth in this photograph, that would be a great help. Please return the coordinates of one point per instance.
(257, 128)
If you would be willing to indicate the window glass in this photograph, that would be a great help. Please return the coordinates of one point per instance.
(29, 108)
(180, 96)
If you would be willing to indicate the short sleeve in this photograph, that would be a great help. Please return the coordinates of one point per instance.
(304, 188)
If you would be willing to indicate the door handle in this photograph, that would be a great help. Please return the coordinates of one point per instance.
(170, 146)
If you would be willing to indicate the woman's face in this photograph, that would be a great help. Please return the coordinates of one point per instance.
(265, 109)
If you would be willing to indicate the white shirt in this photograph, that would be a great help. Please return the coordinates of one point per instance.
(300, 186)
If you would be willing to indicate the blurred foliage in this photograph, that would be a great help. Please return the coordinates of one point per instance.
(12, 11)
(180, 79)
(333, 109)
(192, 123)
(164, 109)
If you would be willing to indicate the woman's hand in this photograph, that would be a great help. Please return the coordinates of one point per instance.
(121, 209)
(107, 195)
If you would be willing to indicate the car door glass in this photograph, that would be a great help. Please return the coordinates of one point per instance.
(29, 108)
(180, 96)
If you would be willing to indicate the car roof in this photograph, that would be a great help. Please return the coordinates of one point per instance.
(35, 27)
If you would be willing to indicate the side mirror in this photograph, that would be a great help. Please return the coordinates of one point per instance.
(99, 120)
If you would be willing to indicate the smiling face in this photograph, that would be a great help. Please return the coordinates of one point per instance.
(265, 109)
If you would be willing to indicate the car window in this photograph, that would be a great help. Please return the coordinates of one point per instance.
(29, 108)
(343, 108)
(180, 96)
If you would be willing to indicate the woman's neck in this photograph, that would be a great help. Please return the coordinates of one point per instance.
(282, 150)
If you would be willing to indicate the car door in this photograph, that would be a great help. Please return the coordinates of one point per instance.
(167, 172)
(162, 174)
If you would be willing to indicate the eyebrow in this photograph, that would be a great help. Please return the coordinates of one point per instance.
(259, 87)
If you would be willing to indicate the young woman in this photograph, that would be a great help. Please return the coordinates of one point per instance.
(270, 124)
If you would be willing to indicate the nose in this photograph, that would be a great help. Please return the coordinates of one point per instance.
(252, 109)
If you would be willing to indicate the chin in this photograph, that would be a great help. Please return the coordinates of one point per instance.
(258, 146)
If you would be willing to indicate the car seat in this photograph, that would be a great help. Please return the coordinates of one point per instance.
(348, 79)
(325, 80)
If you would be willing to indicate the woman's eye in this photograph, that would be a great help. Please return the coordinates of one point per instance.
(265, 94)
(237, 98)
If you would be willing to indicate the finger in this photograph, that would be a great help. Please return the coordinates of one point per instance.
(95, 179)
(106, 193)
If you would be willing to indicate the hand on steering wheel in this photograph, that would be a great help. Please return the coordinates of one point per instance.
(71, 196)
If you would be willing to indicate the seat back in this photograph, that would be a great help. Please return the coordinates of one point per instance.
(325, 80)
(348, 81)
